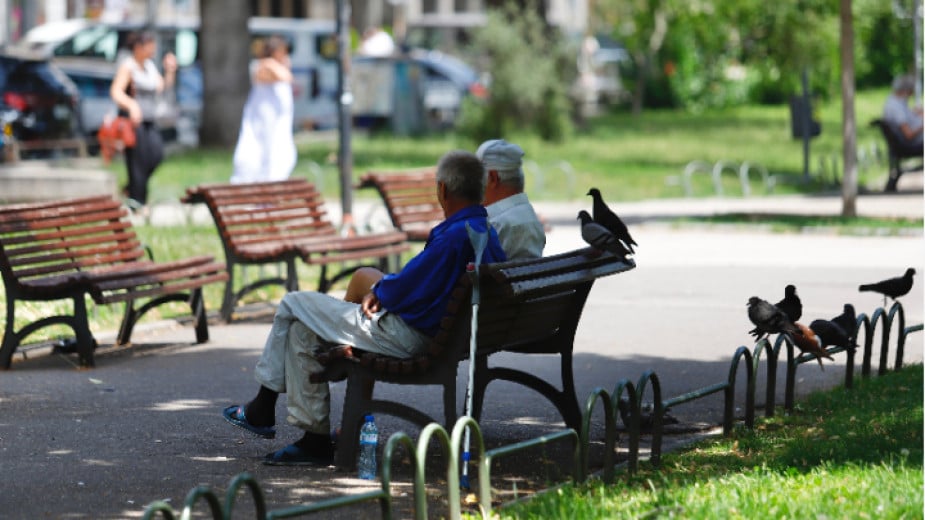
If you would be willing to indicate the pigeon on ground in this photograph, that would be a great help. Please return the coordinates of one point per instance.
(831, 333)
(598, 237)
(892, 287)
(604, 216)
(808, 341)
(791, 304)
(848, 321)
(768, 319)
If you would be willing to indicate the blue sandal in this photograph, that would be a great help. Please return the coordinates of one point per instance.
(235, 415)
(292, 455)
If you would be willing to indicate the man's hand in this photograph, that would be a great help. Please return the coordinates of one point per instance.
(370, 304)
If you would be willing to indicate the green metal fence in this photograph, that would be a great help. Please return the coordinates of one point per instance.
(625, 393)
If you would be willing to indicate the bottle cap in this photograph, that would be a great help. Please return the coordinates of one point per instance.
(369, 418)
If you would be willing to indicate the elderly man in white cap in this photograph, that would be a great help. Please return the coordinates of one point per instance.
(520, 231)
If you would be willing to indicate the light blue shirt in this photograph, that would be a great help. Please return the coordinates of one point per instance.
(519, 229)
(419, 293)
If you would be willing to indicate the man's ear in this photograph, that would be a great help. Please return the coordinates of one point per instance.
(493, 177)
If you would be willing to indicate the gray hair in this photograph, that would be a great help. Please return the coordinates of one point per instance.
(506, 159)
(513, 178)
(905, 82)
(463, 175)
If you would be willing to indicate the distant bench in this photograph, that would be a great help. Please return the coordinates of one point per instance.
(410, 198)
(527, 307)
(280, 222)
(71, 248)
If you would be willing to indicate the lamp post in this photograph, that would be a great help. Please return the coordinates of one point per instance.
(344, 103)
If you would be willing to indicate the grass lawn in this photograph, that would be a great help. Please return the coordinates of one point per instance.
(627, 158)
(841, 454)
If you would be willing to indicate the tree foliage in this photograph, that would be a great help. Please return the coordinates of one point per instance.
(701, 53)
(530, 71)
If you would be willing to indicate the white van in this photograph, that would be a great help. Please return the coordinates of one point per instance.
(87, 51)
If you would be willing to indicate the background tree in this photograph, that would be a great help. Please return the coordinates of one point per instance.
(531, 70)
(224, 51)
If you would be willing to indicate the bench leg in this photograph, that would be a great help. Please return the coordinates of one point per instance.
(10, 341)
(228, 297)
(128, 323)
(345, 457)
(292, 276)
(85, 341)
(200, 320)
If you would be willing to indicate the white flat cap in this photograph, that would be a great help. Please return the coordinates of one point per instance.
(498, 154)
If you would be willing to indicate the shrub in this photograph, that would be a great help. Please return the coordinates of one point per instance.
(531, 68)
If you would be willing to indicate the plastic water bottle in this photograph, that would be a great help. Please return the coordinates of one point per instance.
(369, 439)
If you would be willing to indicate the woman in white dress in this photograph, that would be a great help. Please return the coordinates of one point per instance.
(265, 150)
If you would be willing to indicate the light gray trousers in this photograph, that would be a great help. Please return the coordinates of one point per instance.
(302, 321)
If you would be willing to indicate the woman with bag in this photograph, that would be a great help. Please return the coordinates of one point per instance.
(135, 89)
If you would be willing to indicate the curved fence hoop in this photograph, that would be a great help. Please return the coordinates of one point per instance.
(584, 436)
(456, 443)
(625, 386)
(215, 507)
(728, 417)
(439, 432)
(231, 494)
(658, 413)
(770, 391)
(156, 507)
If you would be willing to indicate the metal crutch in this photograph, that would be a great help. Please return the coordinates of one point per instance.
(478, 240)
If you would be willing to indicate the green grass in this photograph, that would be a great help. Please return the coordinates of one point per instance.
(628, 158)
(841, 454)
(798, 223)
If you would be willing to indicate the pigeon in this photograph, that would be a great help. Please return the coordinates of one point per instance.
(809, 341)
(831, 333)
(604, 216)
(598, 237)
(768, 319)
(848, 321)
(791, 304)
(892, 287)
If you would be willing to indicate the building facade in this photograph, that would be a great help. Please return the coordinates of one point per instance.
(21, 15)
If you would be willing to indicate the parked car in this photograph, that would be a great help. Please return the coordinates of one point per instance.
(37, 99)
(76, 44)
(389, 90)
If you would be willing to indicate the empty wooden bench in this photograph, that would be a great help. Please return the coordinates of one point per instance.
(281, 222)
(72, 248)
(410, 199)
(527, 307)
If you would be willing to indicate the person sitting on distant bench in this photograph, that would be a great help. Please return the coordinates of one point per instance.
(904, 121)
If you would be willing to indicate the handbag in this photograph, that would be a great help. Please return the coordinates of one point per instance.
(115, 135)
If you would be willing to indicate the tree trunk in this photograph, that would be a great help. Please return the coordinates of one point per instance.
(849, 122)
(224, 50)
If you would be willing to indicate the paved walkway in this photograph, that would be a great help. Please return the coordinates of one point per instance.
(145, 425)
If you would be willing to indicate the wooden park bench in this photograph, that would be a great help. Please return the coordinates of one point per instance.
(410, 199)
(527, 307)
(72, 248)
(896, 154)
(280, 222)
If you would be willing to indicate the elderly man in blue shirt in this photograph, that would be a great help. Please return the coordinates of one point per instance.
(396, 317)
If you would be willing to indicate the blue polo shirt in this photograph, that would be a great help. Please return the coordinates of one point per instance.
(420, 292)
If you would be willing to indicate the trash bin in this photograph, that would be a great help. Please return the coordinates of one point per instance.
(801, 116)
